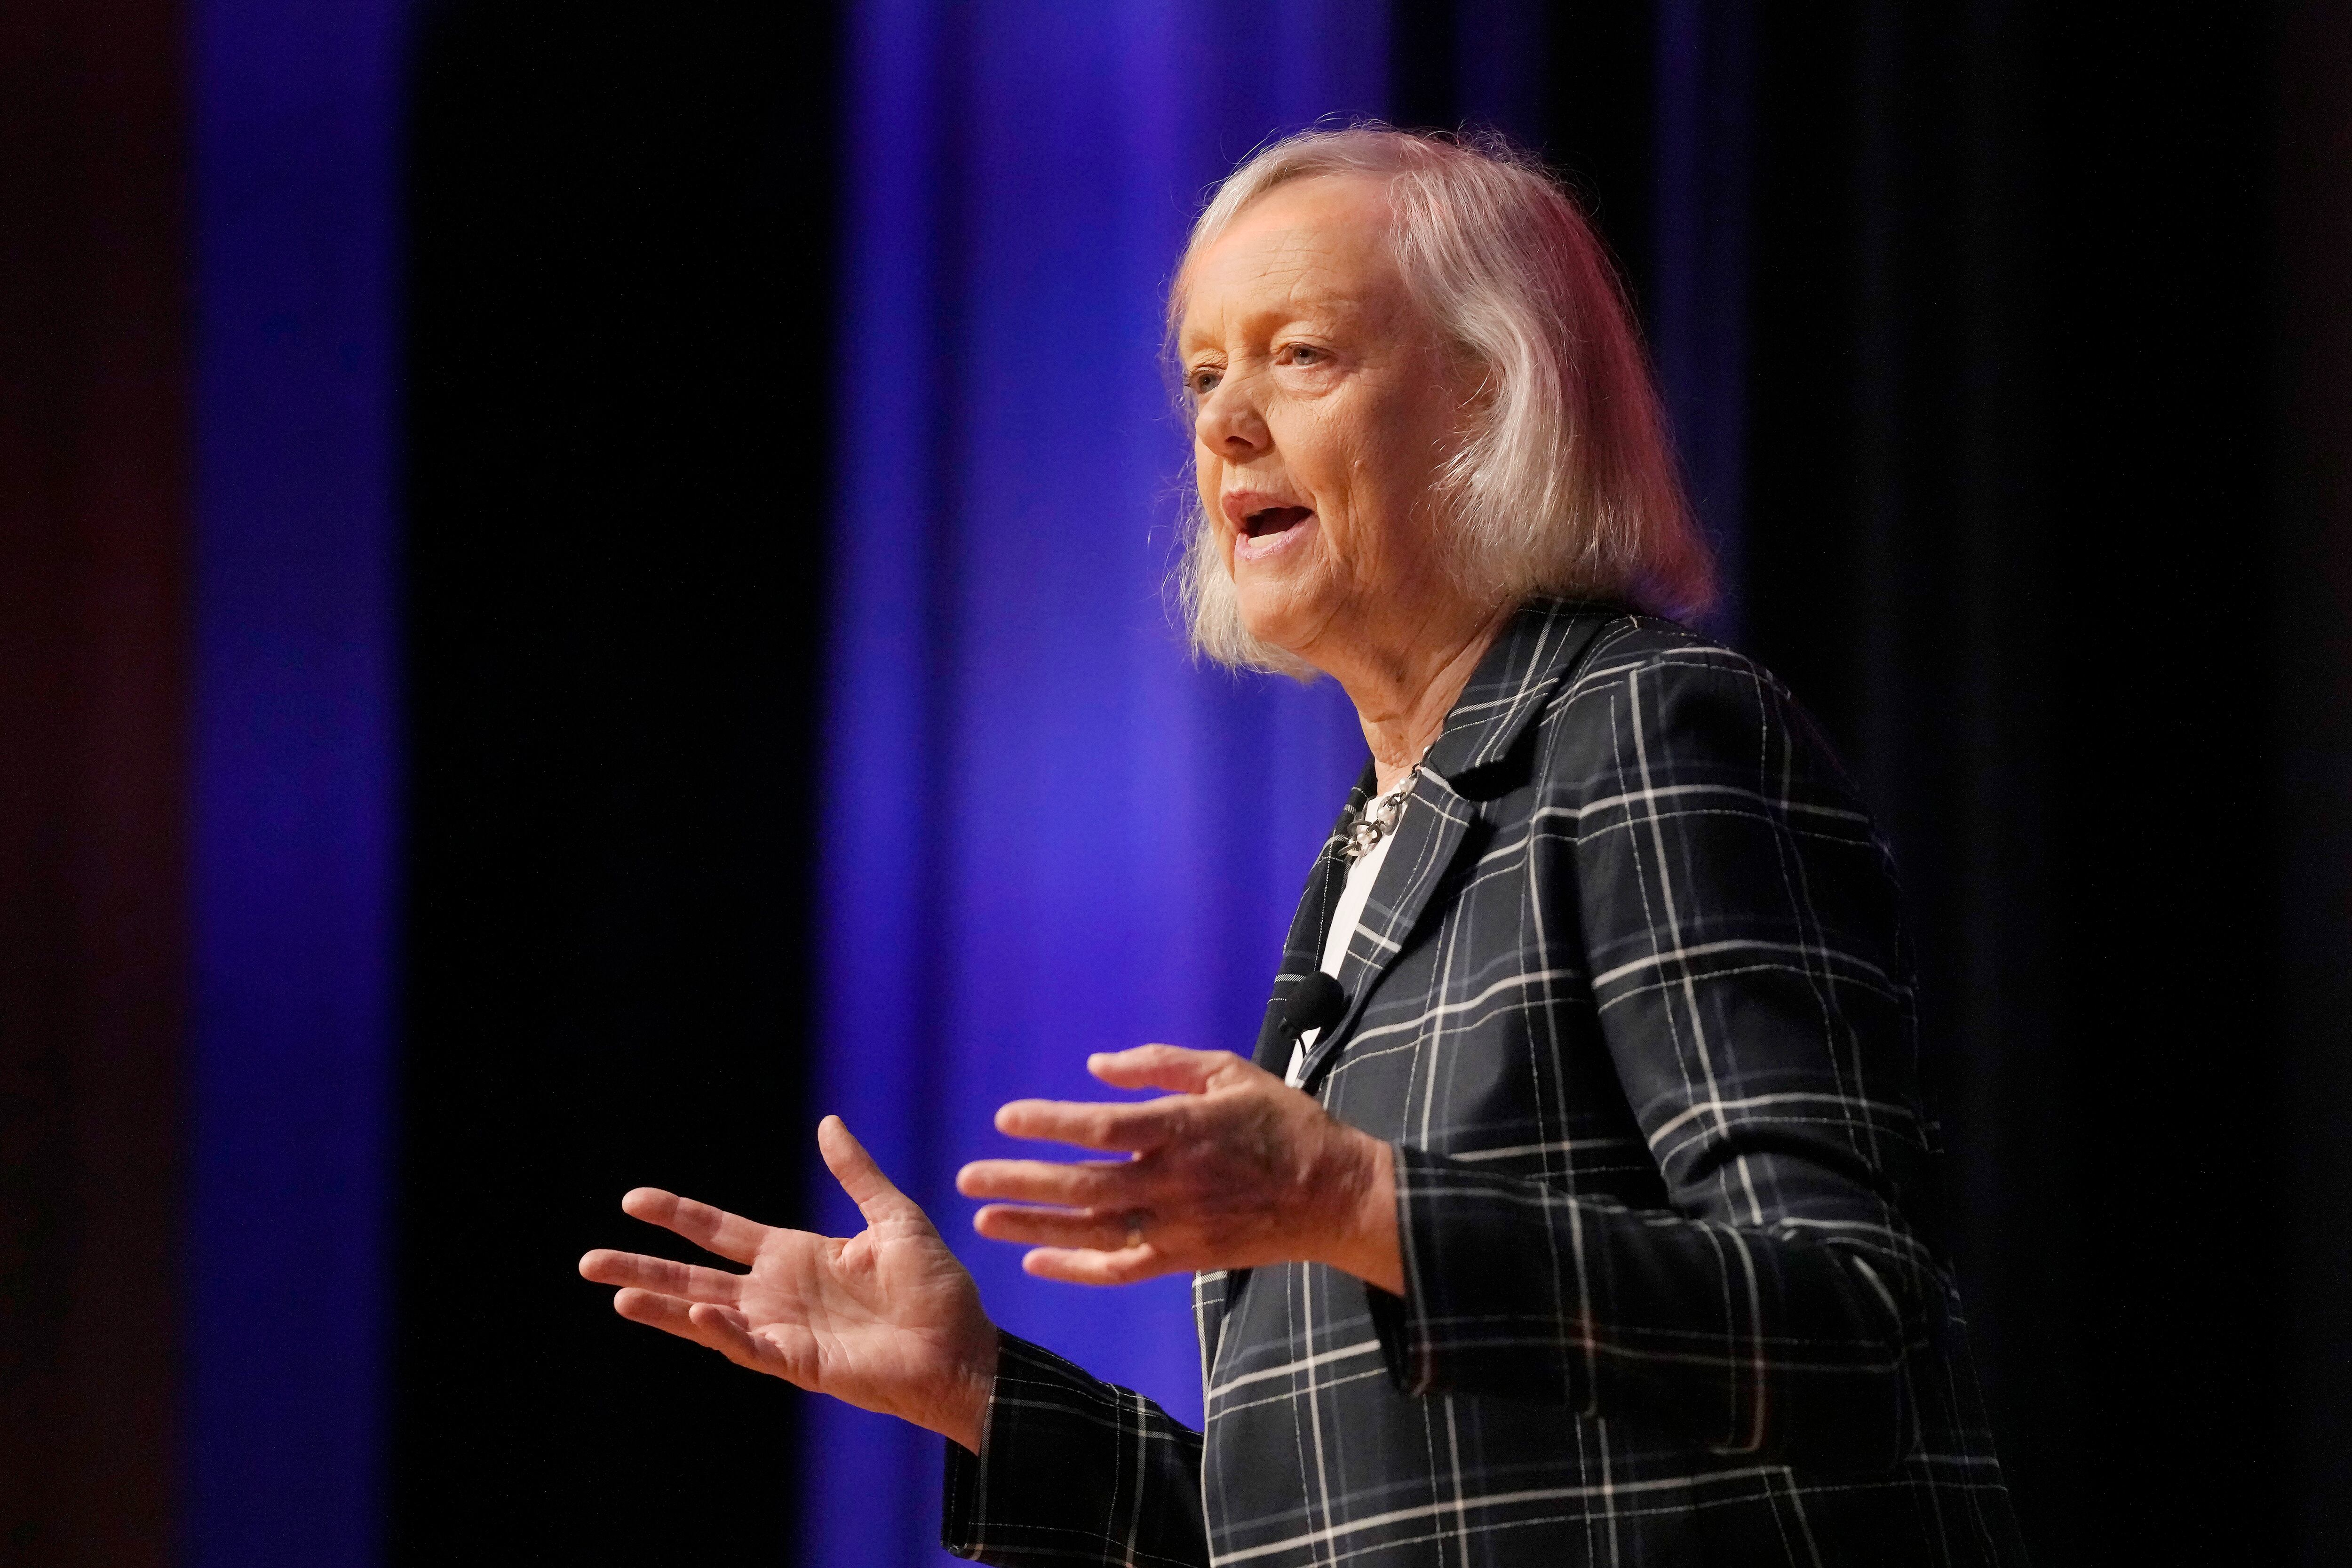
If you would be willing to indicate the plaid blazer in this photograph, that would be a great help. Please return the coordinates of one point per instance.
(1631, 1001)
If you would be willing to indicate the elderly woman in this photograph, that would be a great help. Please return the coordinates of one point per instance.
(1569, 1219)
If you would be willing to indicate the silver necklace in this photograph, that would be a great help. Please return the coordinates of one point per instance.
(1379, 816)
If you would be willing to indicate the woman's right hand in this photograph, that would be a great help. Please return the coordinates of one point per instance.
(885, 1321)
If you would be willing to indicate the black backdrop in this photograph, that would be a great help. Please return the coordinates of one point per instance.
(2046, 517)
(618, 422)
(2009, 498)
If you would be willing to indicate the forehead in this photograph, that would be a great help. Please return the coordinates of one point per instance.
(1314, 245)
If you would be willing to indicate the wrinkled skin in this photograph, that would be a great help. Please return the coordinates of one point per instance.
(1233, 1171)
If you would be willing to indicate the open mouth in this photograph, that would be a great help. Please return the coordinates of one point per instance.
(1269, 520)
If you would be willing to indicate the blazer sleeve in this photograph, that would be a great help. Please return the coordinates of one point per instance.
(1072, 1469)
(1739, 932)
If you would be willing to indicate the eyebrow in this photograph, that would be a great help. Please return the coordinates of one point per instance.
(1294, 310)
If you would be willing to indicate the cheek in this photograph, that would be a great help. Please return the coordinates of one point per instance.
(1319, 454)
(1352, 482)
(1208, 467)
(1396, 467)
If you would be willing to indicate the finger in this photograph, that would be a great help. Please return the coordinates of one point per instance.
(728, 1332)
(713, 1230)
(1084, 1266)
(1090, 1124)
(1088, 1185)
(859, 1176)
(662, 1276)
(667, 1313)
(1167, 1067)
(1101, 1232)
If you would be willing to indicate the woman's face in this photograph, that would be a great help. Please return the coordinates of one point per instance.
(1323, 409)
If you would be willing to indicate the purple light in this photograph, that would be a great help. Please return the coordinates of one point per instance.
(295, 111)
(1047, 833)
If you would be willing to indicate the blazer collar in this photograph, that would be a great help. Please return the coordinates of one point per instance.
(1514, 680)
(1536, 650)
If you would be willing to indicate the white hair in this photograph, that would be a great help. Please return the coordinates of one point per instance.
(1568, 483)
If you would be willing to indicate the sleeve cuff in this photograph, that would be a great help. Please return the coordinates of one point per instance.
(1071, 1470)
(964, 1485)
(1478, 1313)
(1395, 1321)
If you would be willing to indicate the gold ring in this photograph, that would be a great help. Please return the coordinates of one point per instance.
(1135, 1228)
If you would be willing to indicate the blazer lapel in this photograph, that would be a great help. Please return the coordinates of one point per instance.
(1431, 830)
(1214, 1294)
(1539, 647)
(1302, 950)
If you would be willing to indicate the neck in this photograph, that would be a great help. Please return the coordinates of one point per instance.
(1403, 699)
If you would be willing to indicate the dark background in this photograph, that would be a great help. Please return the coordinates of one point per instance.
(620, 289)
(93, 470)
(2049, 519)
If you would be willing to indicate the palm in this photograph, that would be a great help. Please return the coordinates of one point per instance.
(865, 1320)
(888, 1319)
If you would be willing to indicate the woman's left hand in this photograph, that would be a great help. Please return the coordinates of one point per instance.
(1233, 1170)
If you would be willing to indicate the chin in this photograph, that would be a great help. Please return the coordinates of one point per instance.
(1280, 615)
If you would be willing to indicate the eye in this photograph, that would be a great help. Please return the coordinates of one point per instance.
(1203, 381)
(1305, 354)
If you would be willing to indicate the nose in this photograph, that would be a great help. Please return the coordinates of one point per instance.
(1228, 422)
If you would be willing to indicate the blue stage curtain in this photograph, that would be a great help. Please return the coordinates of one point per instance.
(1046, 833)
(294, 112)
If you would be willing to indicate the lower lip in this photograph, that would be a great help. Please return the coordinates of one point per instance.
(1266, 545)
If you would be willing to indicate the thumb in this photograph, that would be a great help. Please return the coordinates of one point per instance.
(859, 1176)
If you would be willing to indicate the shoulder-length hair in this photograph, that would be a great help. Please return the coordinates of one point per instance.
(1568, 483)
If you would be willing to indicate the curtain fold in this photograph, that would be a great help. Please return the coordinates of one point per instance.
(1046, 832)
